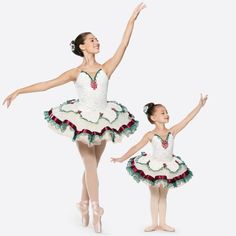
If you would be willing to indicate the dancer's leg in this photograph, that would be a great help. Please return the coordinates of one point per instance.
(154, 201)
(162, 211)
(88, 155)
(99, 149)
(98, 153)
(97, 210)
(90, 164)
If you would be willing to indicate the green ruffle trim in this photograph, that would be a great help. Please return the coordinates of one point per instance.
(137, 177)
(61, 127)
(124, 109)
(147, 164)
(91, 137)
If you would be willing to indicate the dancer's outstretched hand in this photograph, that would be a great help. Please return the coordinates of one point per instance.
(8, 100)
(137, 10)
(203, 100)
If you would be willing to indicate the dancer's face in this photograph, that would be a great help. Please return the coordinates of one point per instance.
(160, 115)
(91, 44)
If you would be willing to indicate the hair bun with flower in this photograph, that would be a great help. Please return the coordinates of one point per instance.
(72, 44)
(145, 109)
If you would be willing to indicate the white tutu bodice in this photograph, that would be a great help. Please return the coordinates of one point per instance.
(92, 99)
(162, 154)
(158, 151)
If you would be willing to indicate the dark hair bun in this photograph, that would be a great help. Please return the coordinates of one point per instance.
(77, 42)
(147, 107)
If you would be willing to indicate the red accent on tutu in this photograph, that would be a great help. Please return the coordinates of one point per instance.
(158, 177)
(73, 126)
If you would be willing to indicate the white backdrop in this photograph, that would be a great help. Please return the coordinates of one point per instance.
(179, 48)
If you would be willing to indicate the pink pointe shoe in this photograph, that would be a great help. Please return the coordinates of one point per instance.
(97, 214)
(83, 206)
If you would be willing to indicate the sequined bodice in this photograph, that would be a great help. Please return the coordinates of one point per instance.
(162, 149)
(92, 91)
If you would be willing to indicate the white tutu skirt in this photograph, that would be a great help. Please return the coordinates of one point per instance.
(91, 126)
(169, 174)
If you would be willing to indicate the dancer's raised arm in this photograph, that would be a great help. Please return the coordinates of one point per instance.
(110, 65)
(182, 124)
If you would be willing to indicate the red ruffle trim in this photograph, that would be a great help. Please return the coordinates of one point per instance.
(76, 132)
(159, 177)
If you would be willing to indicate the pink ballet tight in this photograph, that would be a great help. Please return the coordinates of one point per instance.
(91, 157)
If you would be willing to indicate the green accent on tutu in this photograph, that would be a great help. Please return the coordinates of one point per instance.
(113, 134)
(137, 177)
(147, 164)
(124, 109)
(91, 137)
(62, 127)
